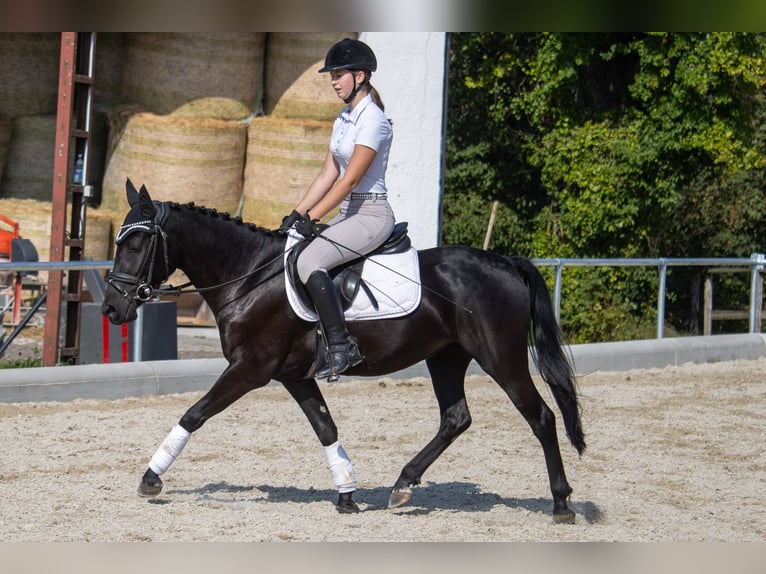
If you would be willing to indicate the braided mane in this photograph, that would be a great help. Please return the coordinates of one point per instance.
(222, 215)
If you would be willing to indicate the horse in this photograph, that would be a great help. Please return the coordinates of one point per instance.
(475, 305)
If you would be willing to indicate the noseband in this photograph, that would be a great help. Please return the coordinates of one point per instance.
(144, 291)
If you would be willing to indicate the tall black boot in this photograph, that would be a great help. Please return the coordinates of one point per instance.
(343, 352)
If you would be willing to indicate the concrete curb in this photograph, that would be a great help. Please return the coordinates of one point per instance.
(122, 380)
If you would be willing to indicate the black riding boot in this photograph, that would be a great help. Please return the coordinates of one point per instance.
(344, 353)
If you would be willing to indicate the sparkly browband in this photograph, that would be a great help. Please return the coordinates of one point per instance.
(125, 230)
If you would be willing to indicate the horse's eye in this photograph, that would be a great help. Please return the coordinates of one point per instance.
(133, 245)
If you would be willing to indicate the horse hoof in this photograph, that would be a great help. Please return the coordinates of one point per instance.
(399, 496)
(151, 485)
(149, 490)
(345, 505)
(566, 516)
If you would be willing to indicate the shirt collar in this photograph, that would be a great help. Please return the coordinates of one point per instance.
(353, 115)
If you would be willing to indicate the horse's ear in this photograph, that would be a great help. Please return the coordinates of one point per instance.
(147, 205)
(130, 191)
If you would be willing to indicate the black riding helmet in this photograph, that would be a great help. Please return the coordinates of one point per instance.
(350, 54)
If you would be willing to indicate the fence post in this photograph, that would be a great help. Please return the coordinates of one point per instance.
(661, 299)
(756, 291)
(557, 291)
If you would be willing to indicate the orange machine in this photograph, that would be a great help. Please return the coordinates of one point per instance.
(14, 248)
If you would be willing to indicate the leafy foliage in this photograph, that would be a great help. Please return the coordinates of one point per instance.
(608, 145)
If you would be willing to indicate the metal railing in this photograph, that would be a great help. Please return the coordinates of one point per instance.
(755, 262)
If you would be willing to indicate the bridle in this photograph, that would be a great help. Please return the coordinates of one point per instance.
(144, 289)
(158, 246)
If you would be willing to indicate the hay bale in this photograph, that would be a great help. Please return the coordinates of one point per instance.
(99, 235)
(108, 69)
(97, 152)
(292, 86)
(28, 172)
(283, 158)
(6, 127)
(29, 67)
(216, 108)
(164, 71)
(178, 159)
(34, 219)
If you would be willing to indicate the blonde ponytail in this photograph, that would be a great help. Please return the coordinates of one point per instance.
(376, 97)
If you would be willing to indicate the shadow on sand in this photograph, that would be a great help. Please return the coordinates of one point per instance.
(427, 498)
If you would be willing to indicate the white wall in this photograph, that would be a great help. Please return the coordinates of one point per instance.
(411, 81)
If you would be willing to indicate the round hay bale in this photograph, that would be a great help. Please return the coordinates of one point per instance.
(98, 147)
(164, 71)
(34, 219)
(29, 67)
(28, 172)
(178, 159)
(108, 69)
(6, 126)
(99, 235)
(292, 87)
(283, 158)
(216, 108)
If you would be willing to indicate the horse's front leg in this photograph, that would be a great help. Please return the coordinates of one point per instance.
(233, 383)
(312, 403)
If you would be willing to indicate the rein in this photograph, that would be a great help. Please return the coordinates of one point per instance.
(181, 289)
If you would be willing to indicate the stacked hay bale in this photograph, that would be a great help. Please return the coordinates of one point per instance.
(286, 149)
(177, 158)
(108, 70)
(182, 128)
(99, 234)
(293, 88)
(6, 125)
(28, 172)
(166, 71)
(283, 158)
(29, 65)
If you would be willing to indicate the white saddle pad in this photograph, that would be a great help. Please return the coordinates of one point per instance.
(394, 281)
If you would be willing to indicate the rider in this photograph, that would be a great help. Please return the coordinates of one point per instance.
(352, 177)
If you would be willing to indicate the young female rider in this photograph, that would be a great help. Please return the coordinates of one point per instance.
(352, 177)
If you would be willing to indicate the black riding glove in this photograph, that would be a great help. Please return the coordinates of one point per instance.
(288, 221)
(307, 227)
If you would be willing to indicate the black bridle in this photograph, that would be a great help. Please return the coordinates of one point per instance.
(144, 289)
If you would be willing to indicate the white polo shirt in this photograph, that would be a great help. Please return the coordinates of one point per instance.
(366, 125)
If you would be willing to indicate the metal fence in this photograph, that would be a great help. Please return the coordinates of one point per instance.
(755, 263)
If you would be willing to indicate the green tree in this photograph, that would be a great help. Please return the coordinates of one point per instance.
(608, 145)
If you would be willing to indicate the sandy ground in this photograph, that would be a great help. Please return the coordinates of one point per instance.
(674, 454)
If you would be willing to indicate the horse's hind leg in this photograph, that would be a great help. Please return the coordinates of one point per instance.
(308, 396)
(447, 369)
(521, 390)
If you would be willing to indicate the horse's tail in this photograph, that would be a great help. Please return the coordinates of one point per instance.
(548, 352)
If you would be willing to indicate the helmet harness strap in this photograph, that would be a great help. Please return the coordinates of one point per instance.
(355, 91)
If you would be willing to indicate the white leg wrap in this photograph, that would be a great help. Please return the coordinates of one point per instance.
(340, 467)
(170, 448)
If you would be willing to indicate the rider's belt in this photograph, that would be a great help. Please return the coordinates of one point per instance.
(361, 196)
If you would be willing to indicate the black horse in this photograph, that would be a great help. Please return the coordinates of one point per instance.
(475, 305)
